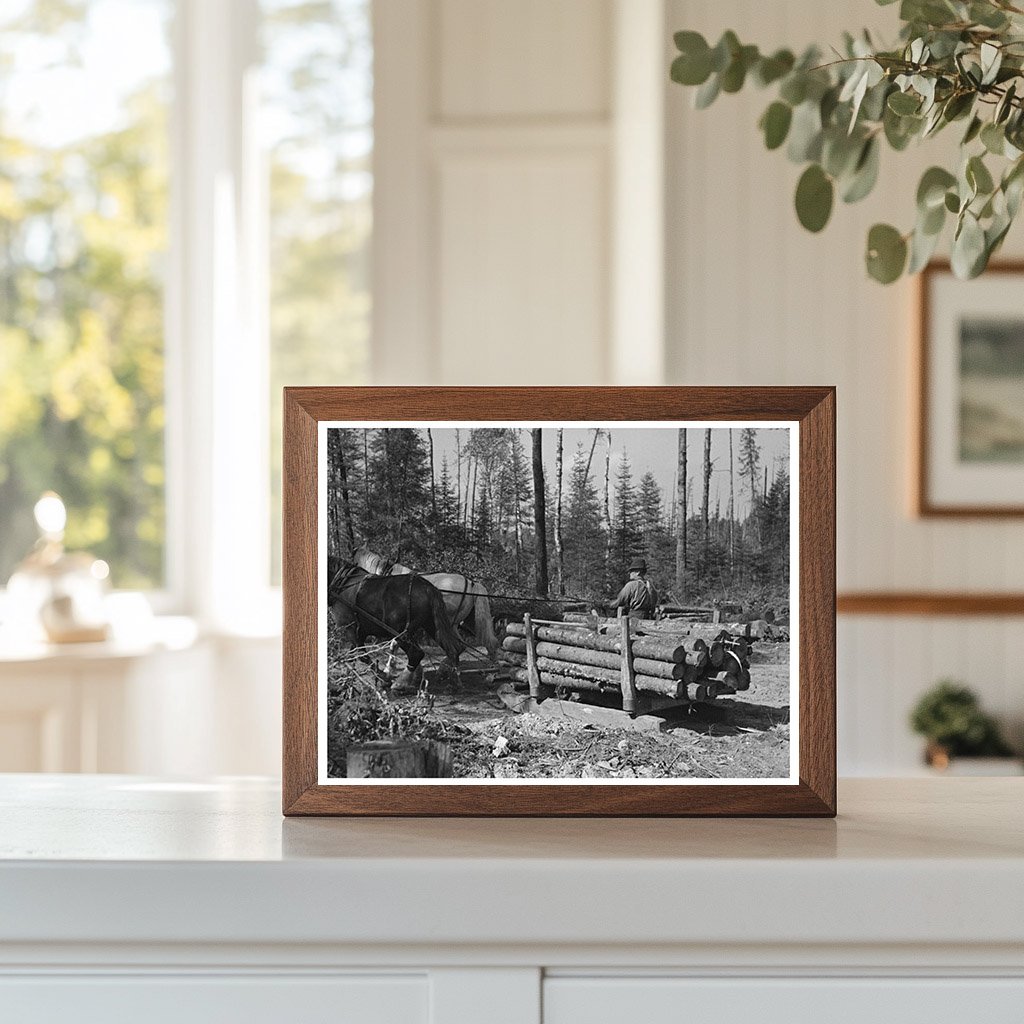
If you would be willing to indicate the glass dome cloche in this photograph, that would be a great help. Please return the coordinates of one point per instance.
(57, 595)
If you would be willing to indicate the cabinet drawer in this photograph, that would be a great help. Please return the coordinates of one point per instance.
(674, 1000)
(202, 999)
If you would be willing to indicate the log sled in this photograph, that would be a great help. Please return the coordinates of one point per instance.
(587, 657)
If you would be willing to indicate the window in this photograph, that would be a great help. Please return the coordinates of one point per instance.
(83, 236)
(317, 116)
(236, 212)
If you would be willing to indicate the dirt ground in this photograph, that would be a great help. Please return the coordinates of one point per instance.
(741, 736)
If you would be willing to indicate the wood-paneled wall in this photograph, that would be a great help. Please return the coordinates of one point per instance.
(752, 297)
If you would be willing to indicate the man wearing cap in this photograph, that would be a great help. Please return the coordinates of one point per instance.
(638, 596)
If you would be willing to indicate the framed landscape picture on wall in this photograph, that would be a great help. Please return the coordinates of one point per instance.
(970, 444)
(559, 601)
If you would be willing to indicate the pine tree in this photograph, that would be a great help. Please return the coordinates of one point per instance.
(584, 535)
(627, 539)
(395, 519)
(750, 463)
(649, 508)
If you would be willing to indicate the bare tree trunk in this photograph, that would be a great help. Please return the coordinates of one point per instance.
(474, 464)
(707, 495)
(433, 489)
(346, 507)
(540, 528)
(458, 476)
(681, 517)
(366, 470)
(590, 457)
(732, 515)
(513, 441)
(559, 551)
(608, 509)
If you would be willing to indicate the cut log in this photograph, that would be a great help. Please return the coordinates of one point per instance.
(608, 659)
(664, 628)
(561, 673)
(626, 671)
(643, 647)
(605, 624)
(570, 682)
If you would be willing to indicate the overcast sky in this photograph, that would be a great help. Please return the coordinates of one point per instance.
(654, 449)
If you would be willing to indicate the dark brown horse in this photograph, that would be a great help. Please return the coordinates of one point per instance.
(399, 608)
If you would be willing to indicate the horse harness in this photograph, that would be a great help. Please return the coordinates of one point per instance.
(346, 577)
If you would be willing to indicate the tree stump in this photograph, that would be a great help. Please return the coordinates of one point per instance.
(399, 759)
(385, 759)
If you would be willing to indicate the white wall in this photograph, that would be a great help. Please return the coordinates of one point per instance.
(754, 299)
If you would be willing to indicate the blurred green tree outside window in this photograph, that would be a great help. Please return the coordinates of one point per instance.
(317, 120)
(83, 237)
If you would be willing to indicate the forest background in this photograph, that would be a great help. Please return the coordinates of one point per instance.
(562, 513)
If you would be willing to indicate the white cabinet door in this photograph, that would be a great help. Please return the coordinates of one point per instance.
(783, 1001)
(202, 999)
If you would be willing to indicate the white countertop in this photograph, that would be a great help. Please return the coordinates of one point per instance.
(121, 859)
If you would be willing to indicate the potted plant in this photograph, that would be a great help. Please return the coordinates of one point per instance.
(950, 718)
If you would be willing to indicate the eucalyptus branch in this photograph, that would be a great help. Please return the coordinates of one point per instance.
(954, 60)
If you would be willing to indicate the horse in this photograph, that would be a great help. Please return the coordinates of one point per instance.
(462, 595)
(393, 608)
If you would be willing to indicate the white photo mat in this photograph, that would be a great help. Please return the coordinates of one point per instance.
(794, 561)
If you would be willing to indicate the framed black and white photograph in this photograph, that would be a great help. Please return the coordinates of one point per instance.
(970, 451)
(519, 610)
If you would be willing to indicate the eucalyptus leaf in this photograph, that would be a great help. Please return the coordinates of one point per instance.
(886, 254)
(1005, 105)
(794, 88)
(991, 60)
(707, 93)
(735, 74)
(993, 138)
(931, 190)
(814, 195)
(865, 173)
(973, 130)
(775, 123)
(724, 51)
(987, 15)
(968, 248)
(978, 176)
(922, 248)
(771, 69)
(840, 152)
(932, 221)
(904, 103)
(805, 133)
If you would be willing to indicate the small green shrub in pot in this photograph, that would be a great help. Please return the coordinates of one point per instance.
(951, 719)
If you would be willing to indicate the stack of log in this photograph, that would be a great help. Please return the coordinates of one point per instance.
(622, 655)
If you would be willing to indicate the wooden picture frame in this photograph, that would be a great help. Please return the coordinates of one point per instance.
(810, 411)
(932, 495)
